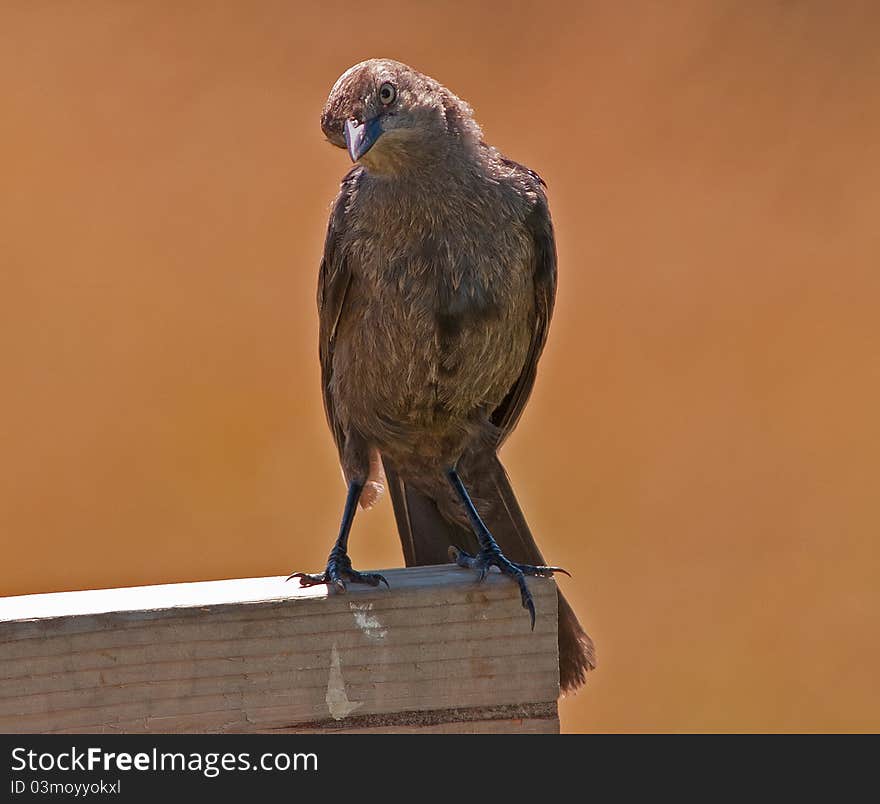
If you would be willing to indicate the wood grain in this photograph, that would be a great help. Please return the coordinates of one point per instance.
(438, 652)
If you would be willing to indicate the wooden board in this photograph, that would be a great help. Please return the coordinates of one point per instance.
(436, 652)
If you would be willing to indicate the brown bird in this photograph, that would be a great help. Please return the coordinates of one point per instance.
(434, 296)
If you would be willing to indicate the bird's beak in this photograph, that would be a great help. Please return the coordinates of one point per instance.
(360, 137)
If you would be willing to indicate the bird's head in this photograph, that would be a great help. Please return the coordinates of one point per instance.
(392, 118)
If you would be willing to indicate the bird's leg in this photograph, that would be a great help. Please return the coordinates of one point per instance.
(339, 569)
(490, 554)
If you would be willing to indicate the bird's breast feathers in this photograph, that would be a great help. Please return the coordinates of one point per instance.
(442, 297)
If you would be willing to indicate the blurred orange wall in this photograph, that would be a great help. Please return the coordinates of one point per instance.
(703, 445)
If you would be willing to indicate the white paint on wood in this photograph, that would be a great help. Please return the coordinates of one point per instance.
(337, 701)
(368, 623)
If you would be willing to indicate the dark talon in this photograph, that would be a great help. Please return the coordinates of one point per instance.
(371, 578)
(529, 604)
(305, 579)
(526, 595)
(542, 571)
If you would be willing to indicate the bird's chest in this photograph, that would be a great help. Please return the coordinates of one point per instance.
(442, 311)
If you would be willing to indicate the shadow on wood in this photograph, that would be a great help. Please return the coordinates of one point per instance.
(437, 653)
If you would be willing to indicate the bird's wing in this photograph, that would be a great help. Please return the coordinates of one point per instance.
(507, 414)
(334, 278)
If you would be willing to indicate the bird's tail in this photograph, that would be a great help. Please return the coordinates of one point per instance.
(428, 523)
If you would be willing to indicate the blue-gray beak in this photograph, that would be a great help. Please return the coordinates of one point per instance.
(360, 137)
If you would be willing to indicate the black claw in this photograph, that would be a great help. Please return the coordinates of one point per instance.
(305, 579)
(541, 571)
(371, 578)
(528, 604)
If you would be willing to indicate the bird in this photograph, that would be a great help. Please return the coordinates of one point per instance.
(435, 294)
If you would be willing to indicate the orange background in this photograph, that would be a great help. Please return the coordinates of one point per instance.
(703, 444)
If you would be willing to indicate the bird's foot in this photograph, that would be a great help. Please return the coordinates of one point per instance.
(493, 557)
(339, 572)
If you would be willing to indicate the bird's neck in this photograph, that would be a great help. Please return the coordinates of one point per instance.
(408, 157)
(457, 196)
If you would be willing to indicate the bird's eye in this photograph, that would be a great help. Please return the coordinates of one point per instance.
(387, 93)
